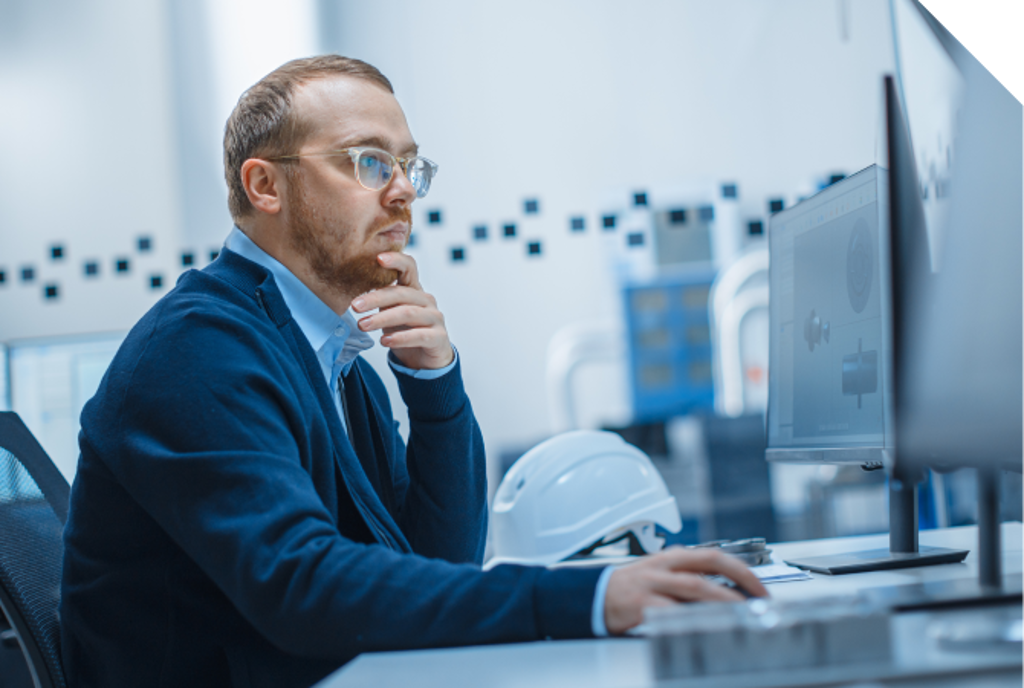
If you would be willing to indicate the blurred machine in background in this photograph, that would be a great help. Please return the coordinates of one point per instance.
(670, 345)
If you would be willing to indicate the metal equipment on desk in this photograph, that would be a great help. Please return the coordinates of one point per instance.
(765, 635)
(751, 551)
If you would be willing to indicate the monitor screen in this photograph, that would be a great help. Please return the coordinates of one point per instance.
(830, 344)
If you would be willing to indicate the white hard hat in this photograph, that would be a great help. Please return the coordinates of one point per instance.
(573, 491)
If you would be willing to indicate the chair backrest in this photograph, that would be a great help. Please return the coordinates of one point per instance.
(33, 508)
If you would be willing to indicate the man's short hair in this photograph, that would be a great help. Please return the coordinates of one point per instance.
(263, 124)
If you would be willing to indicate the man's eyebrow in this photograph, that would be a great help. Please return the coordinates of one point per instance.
(375, 141)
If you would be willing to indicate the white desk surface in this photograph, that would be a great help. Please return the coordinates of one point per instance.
(625, 663)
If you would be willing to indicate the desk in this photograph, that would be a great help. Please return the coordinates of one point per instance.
(624, 662)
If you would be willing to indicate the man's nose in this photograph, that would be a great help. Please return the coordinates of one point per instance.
(400, 190)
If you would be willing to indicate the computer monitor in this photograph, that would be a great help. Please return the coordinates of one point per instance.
(829, 382)
(959, 358)
(960, 384)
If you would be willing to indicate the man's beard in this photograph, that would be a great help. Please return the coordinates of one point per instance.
(349, 275)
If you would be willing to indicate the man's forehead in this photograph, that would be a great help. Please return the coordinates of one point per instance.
(348, 111)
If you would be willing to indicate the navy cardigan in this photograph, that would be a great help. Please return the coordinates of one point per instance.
(223, 532)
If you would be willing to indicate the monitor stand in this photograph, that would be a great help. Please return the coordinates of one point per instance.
(989, 588)
(903, 551)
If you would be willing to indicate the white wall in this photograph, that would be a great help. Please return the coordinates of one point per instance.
(88, 162)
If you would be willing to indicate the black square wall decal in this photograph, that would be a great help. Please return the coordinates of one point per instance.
(776, 205)
(121, 265)
(56, 252)
(187, 259)
(412, 240)
(608, 222)
(576, 224)
(214, 254)
(480, 232)
(533, 248)
(707, 213)
(531, 206)
(434, 217)
(28, 273)
(635, 239)
(145, 244)
(91, 268)
(458, 255)
(509, 230)
(640, 198)
(677, 216)
(755, 228)
(156, 281)
(729, 191)
(51, 291)
(3, 276)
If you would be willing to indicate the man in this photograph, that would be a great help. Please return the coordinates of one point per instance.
(245, 512)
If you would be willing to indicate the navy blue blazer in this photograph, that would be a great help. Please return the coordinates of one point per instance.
(223, 531)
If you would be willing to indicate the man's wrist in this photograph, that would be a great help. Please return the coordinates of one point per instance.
(597, 623)
(422, 373)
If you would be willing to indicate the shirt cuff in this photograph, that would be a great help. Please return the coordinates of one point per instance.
(426, 374)
(597, 613)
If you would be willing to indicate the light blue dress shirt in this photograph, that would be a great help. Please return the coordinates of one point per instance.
(337, 341)
(335, 338)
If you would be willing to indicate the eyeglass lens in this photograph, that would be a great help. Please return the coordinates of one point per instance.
(374, 170)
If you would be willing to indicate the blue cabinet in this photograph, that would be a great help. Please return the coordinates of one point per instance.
(670, 345)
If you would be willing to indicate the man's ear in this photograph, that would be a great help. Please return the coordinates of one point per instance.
(264, 185)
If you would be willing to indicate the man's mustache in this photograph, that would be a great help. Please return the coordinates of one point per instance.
(394, 215)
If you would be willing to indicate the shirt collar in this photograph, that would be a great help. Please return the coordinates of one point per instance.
(332, 335)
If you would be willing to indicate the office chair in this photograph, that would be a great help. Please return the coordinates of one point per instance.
(33, 509)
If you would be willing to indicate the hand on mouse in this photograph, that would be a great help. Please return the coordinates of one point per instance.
(672, 576)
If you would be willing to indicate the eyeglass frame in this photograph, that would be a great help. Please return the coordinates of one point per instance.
(356, 152)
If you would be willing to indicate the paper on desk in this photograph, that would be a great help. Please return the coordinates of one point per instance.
(779, 573)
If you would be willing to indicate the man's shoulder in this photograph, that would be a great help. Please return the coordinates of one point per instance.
(228, 284)
(200, 305)
(224, 294)
(205, 322)
(206, 333)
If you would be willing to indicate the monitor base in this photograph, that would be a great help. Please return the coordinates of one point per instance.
(879, 560)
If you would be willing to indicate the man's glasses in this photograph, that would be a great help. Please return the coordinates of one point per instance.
(375, 168)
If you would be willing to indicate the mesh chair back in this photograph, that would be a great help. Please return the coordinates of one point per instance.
(33, 508)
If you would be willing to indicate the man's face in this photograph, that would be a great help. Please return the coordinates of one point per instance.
(338, 226)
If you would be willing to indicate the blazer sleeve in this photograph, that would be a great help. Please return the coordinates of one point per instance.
(209, 445)
(441, 476)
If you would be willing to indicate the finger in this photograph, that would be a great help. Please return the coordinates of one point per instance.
(405, 265)
(418, 338)
(392, 296)
(713, 562)
(402, 317)
(689, 587)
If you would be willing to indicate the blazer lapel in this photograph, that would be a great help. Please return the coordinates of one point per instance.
(366, 499)
(257, 281)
